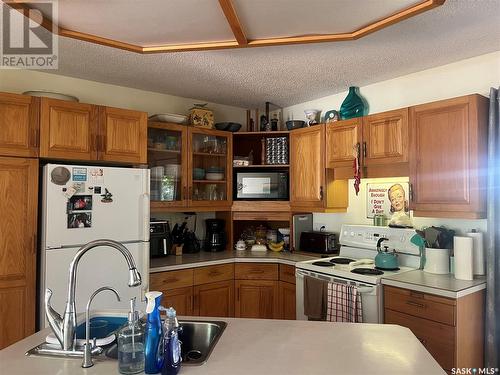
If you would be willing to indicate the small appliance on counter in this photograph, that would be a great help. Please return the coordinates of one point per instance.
(319, 242)
(301, 223)
(160, 238)
(215, 239)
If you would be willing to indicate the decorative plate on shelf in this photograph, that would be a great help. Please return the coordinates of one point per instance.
(169, 117)
(52, 95)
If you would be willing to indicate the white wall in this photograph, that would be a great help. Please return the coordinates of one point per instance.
(475, 75)
(18, 81)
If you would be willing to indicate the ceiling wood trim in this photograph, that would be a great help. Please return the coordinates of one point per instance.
(234, 22)
(232, 18)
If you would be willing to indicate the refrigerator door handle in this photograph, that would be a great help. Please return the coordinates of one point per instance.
(144, 223)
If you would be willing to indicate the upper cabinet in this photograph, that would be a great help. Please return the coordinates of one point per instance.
(380, 141)
(448, 157)
(123, 134)
(312, 188)
(19, 125)
(190, 167)
(78, 131)
(68, 130)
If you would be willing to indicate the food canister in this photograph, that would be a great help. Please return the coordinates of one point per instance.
(379, 220)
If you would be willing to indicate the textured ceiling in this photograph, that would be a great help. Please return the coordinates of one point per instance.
(288, 75)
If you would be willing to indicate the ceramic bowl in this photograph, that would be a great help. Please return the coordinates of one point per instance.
(198, 173)
(214, 176)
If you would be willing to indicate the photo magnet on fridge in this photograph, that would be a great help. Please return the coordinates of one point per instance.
(80, 220)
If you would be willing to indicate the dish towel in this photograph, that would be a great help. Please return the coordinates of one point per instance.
(343, 304)
(315, 297)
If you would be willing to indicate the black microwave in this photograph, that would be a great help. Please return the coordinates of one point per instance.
(261, 185)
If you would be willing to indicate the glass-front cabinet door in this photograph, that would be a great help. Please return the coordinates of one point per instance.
(167, 145)
(210, 168)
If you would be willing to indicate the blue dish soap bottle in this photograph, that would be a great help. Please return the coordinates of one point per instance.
(153, 346)
(172, 346)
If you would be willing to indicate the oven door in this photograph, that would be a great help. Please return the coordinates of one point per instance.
(259, 185)
(371, 295)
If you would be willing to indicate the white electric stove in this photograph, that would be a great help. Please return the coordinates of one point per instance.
(355, 265)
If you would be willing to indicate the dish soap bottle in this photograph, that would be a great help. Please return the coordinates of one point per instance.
(131, 344)
(172, 346)
(153, 349)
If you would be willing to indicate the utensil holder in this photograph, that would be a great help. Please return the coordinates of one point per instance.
(437, 261)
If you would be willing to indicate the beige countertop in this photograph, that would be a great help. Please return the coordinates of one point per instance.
(441, 285)
(261, 346)
(203, 258)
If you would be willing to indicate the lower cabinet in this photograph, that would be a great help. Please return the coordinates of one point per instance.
(257, 299)
(214, 299)
(450, 329)
(244, 290)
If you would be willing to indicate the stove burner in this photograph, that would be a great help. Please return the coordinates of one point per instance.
(341, 260)
(388, 269)
(367, 271)
(322, 263)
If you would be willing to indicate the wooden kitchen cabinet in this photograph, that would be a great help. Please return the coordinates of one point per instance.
(181, 299)
(79, 131)
(312, 188)
(68, 130)
(257, 299)
(174, 152)
(214, 299)
(19, 125)
(18, 244)
(450, 329)
(123, 135)
(380, 139)
(448, 158)
(287, 292)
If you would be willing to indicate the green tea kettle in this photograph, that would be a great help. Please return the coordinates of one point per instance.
(386, 260)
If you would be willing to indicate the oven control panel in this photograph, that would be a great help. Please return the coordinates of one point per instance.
(366, 236)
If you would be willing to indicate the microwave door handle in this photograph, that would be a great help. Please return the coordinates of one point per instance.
(165, 246)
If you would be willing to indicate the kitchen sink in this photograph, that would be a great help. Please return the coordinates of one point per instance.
(198, 338)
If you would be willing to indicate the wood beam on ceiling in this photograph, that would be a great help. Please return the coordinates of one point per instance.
(232, 18)
(241, 40)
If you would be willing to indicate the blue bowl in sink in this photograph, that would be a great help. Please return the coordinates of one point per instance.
(101, 326)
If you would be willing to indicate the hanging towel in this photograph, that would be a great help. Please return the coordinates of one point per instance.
(343, 304)
(315, 296)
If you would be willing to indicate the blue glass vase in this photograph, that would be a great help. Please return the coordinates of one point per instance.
(353, 105)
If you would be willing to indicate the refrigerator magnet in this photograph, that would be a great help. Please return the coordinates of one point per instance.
(69, 192)
(107, 196)
(96, 176)
(79, 220)
(79, 174)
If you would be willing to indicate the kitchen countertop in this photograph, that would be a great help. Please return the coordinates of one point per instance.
(441, 285)
(204, 258)
(261, 346)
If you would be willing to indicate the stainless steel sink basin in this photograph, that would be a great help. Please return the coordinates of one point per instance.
(198, 340)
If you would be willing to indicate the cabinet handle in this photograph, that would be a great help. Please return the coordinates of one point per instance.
(364, 149)
(238, 294)
(410, 187)
(321, 193)
(416, 294)
(416, 304)
(214, 273)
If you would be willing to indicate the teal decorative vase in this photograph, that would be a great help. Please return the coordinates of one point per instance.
(353, 105)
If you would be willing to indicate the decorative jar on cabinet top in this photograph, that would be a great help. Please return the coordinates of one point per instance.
(353, 105)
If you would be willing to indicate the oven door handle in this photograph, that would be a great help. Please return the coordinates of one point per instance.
(361, 289)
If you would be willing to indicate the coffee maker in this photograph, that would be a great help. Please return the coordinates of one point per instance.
(215, 237)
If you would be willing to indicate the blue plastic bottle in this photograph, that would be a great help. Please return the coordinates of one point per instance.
(153, 345)
(172, 346)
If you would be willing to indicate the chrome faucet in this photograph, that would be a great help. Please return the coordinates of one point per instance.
(64, 328)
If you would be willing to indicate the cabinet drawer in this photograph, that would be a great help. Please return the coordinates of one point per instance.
(171, 279)
(287, 273)
(205, 275)
(438, 339)
(256, 271)
(419, 304)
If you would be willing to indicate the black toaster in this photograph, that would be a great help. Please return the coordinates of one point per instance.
(319, 242)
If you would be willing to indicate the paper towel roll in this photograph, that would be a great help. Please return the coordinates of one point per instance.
(462, 247)
(477, 252)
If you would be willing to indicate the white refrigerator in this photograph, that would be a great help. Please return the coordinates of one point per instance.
(82, 203)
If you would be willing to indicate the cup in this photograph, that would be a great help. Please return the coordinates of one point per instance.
(437, 261)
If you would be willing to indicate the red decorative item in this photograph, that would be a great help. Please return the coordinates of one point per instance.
(357, 170)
